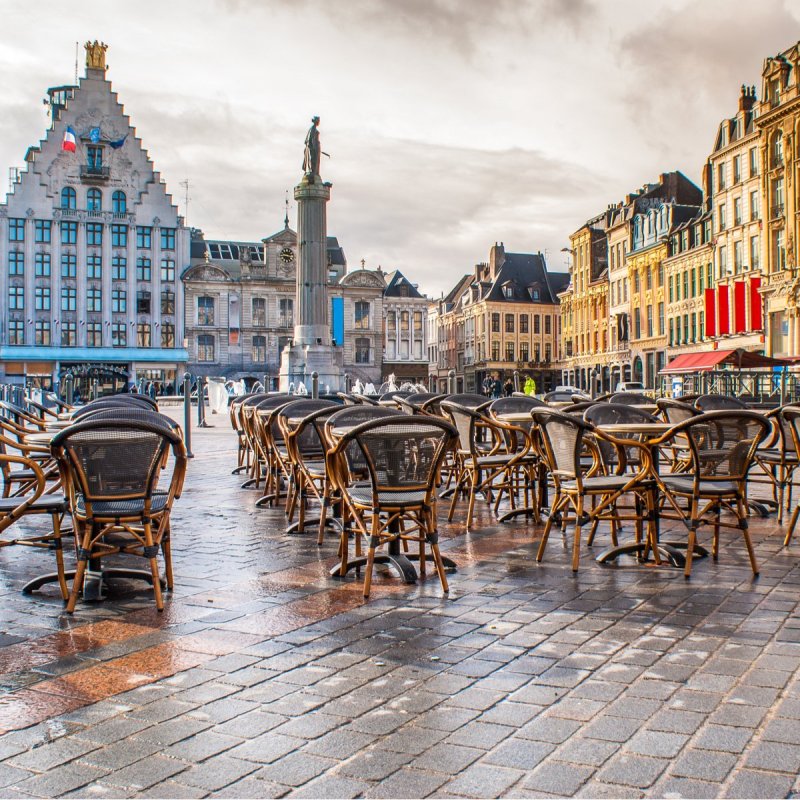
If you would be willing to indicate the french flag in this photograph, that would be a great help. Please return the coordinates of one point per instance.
(69, 140)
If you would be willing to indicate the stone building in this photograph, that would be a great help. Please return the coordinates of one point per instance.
(240, 307)
(91, 251)
(405, 346)
(449, 350)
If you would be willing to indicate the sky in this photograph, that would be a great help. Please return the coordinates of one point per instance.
(450, 124)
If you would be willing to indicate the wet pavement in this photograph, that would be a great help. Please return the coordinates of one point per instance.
(264, 677)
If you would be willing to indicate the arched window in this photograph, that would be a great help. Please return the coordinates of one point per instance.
(68, 197)
(119, 203)
(94, 200)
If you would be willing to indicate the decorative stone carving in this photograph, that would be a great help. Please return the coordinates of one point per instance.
(363, 278)
(96, 55)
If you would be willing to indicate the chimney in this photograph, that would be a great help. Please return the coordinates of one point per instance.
(747, 98)
(497, 257)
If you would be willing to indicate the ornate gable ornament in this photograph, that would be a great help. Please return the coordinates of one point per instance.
(363, 278)
(96, 55)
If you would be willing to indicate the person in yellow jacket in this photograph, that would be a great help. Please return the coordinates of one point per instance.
(530, 386)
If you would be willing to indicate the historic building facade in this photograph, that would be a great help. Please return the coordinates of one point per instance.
(405, 344)
(778, 124)
(91, 251)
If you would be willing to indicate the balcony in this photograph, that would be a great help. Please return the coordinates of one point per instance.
(776, 212)
(95, 174)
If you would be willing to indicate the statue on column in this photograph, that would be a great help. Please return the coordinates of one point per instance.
(312, 152)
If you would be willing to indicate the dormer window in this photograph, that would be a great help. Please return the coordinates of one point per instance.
(534, 294)
(508, 292)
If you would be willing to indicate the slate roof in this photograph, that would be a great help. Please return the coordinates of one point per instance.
(524, 273)
(396, 279)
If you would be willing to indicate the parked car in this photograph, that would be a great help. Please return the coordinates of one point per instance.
(630, 386)
(572, 389)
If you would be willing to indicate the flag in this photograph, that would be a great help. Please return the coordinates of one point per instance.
(69, 140)
(118, 142)
(94, 135)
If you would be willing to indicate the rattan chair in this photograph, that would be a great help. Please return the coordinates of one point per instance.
(110, 470)
(398, 460)
(478, 402)
(721, 446)
(631, 399)
(718, 402)
(778, 460)
(243, 452)
(790, 422)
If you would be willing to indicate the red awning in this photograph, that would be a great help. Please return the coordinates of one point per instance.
(708, 359)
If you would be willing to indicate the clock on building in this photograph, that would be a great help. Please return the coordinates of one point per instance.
(287, 255)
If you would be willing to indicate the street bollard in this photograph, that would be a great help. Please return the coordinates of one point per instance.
(187, 414)
(346, 383)
(95, 389)
(516, 380)
(315, 385)
(202, 382)
(69, 390)
(266, 383)
(451, 382)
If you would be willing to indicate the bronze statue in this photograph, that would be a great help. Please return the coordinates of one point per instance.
(312, 153)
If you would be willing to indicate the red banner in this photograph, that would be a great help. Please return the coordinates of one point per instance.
(756, 323)
(739, 307)
(722, 306)
(711, 313)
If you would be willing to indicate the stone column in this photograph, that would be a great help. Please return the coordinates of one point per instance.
(311, 305)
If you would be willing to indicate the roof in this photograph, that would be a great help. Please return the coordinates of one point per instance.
(395, 281)
(524, 273)
(709, 359)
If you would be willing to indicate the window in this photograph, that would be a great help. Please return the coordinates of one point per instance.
(648, 275)
(94, 266)
(69, 334)
(362, 318)
(777, 197)
(167, 301)
(144, 237)
(685, 284)
(721, 176)
(94, 158)
(779, 250)
(119, 235)
(737, 211)
(94, 200)
(722, 217)
(143, 334)
(649, 320)
(16, 263)
(259, 313)
(42, 332)
(69, 233)
(495, 351)
(119, 334)
(362, 350)
(509, 323)
(167, 270)
(709, 276)
(68, 298)
(119, 203)
(755, 253)
(509, 351)
(685, 327)
(205, 310)
(94, 334)
(753, 162)
(16, 298)
(168, 238)
(41, 231)
(523, 325)
(16, 331)
(636, 280)
(671, 331)
(168, 335)
(143, 270)
(405, 322)
(723, 261)
(694, 282)
(286, 309)
(41, 265)
(738, 260)
(694, 327)
(523, 351)
(660, 273)
(417, 323)
(94, 234)
(259, 349)
(495, 323)
(205, 348)
(68, 198)
(700, 326)
(671, 289)
(737, 169)
(41, 299)
(69, 265)
(660, 319)
(637, 324)
(119, 301)
(142, 302)
(548, 352)
(754, 206)
(777, 149)
(547, 328)
(537, 328)
(391, 320)
(119, 268)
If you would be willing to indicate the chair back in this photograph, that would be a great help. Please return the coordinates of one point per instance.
(516, 404)
(616, 414)
(104, 403)
(19, 416)
(561, 441)
(400, 454)
(303, 441)
(718, 402)
(564, 397)
(469, 400)
(675, 411)
(420, 402)
(789, 422)
(631, 399)
(126, 413)
(140, 399)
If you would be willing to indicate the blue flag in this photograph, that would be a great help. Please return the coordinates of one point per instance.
(119, 142)
(94, 135)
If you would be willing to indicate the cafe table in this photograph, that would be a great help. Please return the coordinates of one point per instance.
(647, 434)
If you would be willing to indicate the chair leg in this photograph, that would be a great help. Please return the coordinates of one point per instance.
(715, 542)
(473, 488)
(373, 543)
(80, 569)
(549, 524)
(792, 523)
(576, 542)
(62, 580)
(148, 541)
(742, 514)
(166, 550)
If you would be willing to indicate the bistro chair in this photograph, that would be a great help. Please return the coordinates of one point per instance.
(243, 453)
(790, 421)
(778, 460)
(469, 400)
(110, 470)
(397, 460)
(249, 422)
(721, 447)
(718, 402)
(579, 471)
(631, 399)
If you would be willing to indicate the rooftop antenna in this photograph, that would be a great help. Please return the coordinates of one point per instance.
(76, 63)
(185, 185)
(286, 215)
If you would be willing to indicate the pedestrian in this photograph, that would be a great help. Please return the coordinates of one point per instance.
(496, 387)
(530, 386)
(487, 386)
(508, 387)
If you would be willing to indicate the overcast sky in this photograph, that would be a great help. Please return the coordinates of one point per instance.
(451, 124)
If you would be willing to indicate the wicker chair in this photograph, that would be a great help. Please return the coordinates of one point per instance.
(790, 423)
(110, 470)
(631, 399)
(33, 501)
(718, 402)
(469, 400)
(722, 447)
(399, 457)
(566, 440)
(244, 453)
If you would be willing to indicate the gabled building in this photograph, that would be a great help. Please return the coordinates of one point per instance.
(405, 345)
(91, 251)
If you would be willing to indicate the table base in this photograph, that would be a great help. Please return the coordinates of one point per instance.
(669, 551)
(93, 581)
(402, 562)
(330, 522)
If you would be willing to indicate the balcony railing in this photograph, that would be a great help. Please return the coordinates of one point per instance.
(777, 211)
(90, 172)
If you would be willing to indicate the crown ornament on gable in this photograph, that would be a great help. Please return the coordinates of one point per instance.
(96, 55)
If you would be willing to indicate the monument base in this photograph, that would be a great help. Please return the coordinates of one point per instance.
(298, 362)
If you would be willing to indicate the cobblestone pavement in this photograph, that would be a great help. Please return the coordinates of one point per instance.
(265, 678)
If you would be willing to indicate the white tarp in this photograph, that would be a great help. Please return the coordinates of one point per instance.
(217, 397)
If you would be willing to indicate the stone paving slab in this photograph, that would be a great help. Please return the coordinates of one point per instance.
(263, 677)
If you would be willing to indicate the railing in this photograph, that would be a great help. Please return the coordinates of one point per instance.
(92, 172)
(777, 211)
